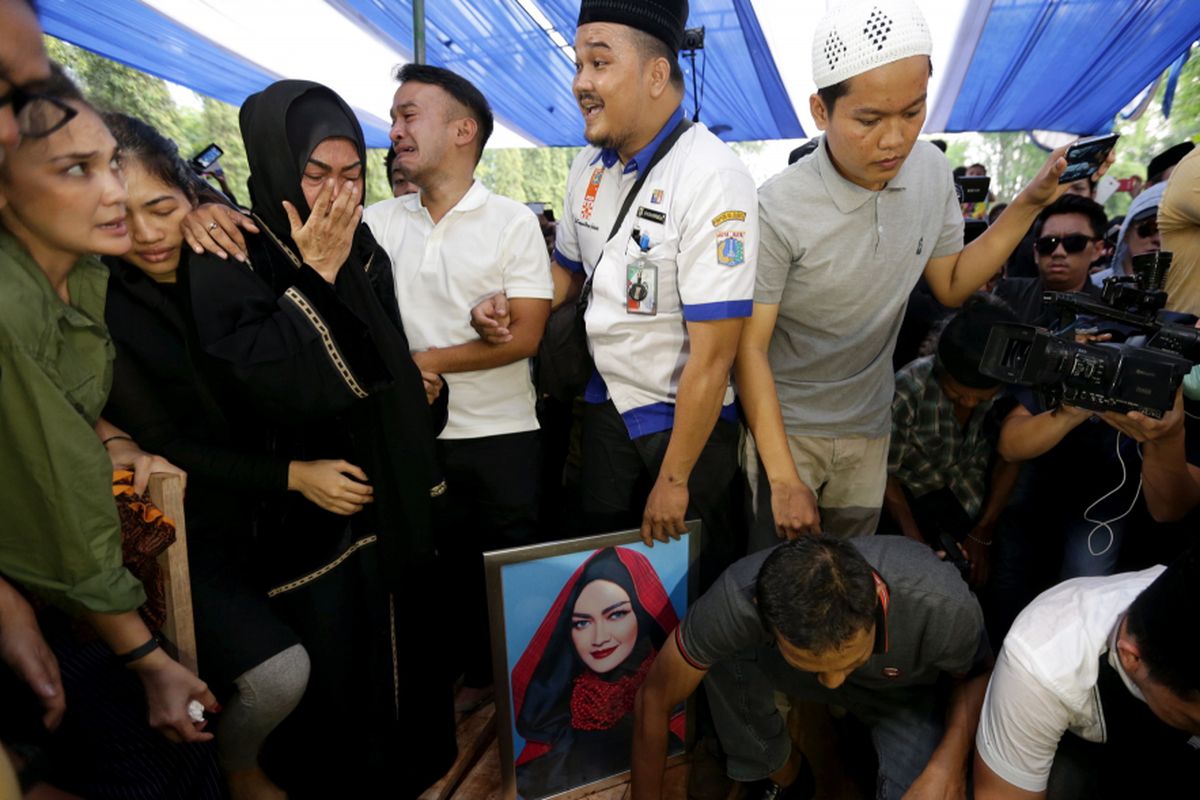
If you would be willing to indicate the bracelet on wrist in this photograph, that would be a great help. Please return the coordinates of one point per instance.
(975, 538)
(116, 438)
(125, 659)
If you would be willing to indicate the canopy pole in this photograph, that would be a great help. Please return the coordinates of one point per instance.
(418, 31)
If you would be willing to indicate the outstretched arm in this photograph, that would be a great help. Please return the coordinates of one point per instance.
(671, 680)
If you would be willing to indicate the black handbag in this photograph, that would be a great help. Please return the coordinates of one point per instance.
(564, 366)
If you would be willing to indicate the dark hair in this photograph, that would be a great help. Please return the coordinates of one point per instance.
(961, 344)
(158, 154)
(981, 166)
(1075, 204)
(458, 87)
(995, 211)
(940, 144)
(830, 94)
(58, 86)
(959, 171)
(1159, 619)
(650, 47)
(388, 158)
(816, 592)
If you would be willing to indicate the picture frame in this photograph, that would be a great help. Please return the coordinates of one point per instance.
(567, 660)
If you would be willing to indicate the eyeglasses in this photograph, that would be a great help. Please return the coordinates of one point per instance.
(1073, 243)
(1147, 229)
(38, 115)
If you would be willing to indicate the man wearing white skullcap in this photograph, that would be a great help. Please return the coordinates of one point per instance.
(847, 232)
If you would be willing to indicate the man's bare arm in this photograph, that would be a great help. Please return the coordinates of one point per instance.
(990, 786)
(946, 773)
(793, 504)
(697, 406)
(671, 680)
(526, 329)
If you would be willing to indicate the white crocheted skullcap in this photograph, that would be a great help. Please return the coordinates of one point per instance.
(859, 35)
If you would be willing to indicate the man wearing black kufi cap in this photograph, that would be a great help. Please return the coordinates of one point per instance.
(1096, 691)
(672, 290)
(1162, 165)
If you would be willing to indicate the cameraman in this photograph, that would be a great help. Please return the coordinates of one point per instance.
(1068, 237)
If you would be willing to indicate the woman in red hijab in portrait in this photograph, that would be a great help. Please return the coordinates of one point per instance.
(574, 686)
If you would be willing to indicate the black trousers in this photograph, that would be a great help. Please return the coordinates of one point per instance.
(493, 492)
(618, 474)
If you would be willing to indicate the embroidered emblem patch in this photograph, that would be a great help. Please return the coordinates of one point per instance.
(731, 248)
(589, 197)
(726, 216)
(656, 197)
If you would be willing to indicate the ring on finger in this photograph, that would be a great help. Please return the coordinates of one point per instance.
(212, 226)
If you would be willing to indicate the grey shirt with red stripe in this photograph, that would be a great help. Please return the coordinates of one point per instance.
(933, 622)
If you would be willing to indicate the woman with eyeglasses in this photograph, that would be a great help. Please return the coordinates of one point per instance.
(62, 200)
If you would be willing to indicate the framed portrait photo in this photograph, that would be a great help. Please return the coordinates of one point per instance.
(575, 628)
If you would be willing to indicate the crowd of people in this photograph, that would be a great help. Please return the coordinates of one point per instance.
(994, 584)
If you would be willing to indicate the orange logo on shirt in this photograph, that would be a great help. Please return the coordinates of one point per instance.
(589, 198)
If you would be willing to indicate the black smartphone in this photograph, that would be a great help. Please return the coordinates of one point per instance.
(973, 188)
(207, 157)
(1086, 155)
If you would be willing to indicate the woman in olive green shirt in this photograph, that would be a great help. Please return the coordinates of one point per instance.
(62, 199)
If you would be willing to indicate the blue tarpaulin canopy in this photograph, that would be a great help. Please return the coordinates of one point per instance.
(1067, 65)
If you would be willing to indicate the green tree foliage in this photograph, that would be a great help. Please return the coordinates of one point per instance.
(528, 175)
(111, 86)
(1012, 160)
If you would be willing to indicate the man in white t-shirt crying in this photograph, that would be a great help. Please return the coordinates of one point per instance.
(1097, 691)
(452, 244)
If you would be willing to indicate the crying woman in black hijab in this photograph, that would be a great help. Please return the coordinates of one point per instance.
(306, 343)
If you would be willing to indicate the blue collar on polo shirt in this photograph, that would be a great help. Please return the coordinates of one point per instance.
(643, 156)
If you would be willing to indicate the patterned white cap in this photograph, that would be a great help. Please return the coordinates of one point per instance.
(859, 35)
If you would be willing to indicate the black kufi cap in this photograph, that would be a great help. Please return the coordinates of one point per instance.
(663, 19)
(1167, 159)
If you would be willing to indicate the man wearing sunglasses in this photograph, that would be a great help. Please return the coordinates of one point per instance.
(22, 62)
(1068, 237)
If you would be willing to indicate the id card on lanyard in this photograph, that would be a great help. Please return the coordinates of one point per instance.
(641, 281)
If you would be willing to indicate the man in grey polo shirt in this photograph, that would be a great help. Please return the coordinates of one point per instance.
(847, 232)
(878, 626)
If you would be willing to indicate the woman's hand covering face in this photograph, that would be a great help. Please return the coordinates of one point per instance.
(326, 237)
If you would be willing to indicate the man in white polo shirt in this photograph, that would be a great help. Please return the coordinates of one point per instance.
(1097, 692)
(670, 289)
(847, 231)
(451, 244)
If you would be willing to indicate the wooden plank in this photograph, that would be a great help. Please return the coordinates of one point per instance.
(474, 734)
(483, 782)
(166, 492)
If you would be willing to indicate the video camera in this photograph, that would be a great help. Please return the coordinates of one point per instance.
(1102, 376)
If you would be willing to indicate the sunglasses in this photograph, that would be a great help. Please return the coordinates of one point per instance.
(37, 115)
(1147, 229)
(1072, 244)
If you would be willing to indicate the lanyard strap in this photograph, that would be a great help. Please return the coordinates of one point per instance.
(663, 148)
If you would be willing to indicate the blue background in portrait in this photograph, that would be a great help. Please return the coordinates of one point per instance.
(530, 588)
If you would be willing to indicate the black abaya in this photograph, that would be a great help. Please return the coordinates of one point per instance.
(325, 370)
